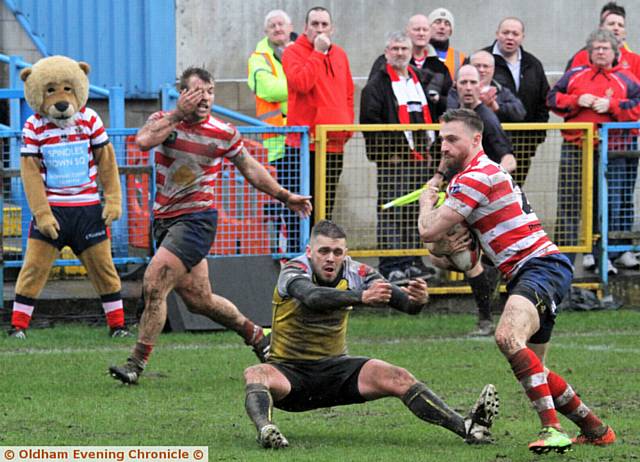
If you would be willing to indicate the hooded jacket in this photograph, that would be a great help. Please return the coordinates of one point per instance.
(621, 89)
(320, 90)
(629, 61)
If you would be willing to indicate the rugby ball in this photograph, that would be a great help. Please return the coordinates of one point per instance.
(467, 258)
(463, 260)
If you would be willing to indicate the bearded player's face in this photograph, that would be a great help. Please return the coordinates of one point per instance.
(326, 256)
(458, 144)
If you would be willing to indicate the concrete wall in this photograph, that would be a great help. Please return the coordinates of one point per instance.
(13, 39)
(221, 33)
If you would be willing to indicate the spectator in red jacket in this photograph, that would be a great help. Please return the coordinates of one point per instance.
(600, 92)
(320, 92)
(612, 19)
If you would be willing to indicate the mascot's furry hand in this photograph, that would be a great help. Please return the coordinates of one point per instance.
(48, 225)
(37, 197)
(110, 179)
(111, 212)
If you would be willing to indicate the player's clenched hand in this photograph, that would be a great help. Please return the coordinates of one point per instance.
(417, 291)
(300, 204)
(378, 294)
(458, 239)
(429, 197)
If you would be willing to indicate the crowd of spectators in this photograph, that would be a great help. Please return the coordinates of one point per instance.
(417, 78)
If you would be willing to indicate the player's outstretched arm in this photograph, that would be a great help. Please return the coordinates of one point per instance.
(323, 298)
(260, 178)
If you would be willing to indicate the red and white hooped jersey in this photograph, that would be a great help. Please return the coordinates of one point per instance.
(188, 162)
(68, 167)
(497, 210)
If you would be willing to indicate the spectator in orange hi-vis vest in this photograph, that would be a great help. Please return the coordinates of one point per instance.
(442, 24)
(267, 81)
(266, 77)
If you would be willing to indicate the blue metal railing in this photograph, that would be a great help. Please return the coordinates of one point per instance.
(20, 111)
(606, 181)
(39, 44)
(304, 165)
(119, 228)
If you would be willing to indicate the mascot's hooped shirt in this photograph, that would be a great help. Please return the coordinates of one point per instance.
(68, 166)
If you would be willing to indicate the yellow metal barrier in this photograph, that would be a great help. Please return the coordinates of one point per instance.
(12, 221)
(357, 199)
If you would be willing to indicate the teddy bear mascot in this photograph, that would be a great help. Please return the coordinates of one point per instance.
(65, 149)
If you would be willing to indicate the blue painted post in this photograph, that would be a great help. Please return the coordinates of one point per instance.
(603, 209)
(116, 107)
(16, 83)
(16, 104)
(119, 228)
(305, 185)
(168, 98)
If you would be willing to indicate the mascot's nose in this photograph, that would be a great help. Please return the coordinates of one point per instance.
(61, 106)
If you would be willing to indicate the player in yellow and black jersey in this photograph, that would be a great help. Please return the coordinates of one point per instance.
(309, 367)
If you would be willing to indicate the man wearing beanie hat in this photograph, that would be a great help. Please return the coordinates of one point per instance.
(442, 24)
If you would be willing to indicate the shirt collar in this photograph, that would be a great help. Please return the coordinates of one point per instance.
(496, 51)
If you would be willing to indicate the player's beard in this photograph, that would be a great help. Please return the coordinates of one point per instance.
(453, 166)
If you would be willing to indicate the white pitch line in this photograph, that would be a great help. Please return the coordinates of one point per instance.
(108, 349)
(556, 343)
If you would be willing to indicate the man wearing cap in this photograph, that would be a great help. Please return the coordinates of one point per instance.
(442, 24)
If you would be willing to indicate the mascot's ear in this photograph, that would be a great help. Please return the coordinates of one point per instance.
(25, 74)
(85, 67)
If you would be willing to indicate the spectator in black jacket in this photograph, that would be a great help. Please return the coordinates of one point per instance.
(506, 106)
(495, 141)
(396, 95)
(523, 74)
(425, 58)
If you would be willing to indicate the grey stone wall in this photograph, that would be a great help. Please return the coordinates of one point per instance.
(222, 33)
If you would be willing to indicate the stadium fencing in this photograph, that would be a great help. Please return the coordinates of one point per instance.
(249, 222)
(617, 175)
(378, 165)
(129, 234)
